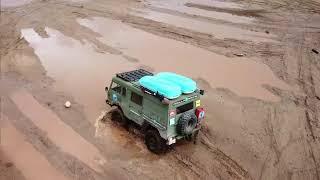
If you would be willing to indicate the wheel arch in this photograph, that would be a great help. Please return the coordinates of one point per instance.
(148, 126)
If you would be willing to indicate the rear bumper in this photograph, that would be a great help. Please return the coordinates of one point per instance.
(173, 140)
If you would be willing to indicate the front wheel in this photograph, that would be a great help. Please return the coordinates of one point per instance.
(118, 116)
(154, 142)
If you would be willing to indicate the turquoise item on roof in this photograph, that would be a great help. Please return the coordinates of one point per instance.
(186, 84)
(158, 85)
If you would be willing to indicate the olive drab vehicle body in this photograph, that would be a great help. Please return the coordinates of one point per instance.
(163, 120)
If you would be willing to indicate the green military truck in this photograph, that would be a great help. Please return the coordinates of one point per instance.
(162, 120)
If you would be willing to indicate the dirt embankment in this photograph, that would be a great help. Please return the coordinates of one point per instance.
(243, 137)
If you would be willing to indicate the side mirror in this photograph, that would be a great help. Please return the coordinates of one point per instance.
(106, 89)
(201, 91)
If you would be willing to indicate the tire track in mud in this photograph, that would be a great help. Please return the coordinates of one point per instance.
(234, 11)
(51, 123)
(291, 5)
(9, 170)
(221, 165)
(64, 162)
(196, 17)
(228, 46)
(182, 159)
(203, 40)
(12, 140)
(305, 78)
(10, 26)
(270, 132)
(230, 166)
(188, 163)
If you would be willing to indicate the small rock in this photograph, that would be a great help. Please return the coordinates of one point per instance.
(67, 104)
(239, 54)
(315, 51)
(267, 32)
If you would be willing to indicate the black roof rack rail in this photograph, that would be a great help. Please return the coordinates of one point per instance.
(155, 94)
(134, 75)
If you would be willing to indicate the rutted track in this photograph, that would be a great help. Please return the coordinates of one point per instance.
(243, 138)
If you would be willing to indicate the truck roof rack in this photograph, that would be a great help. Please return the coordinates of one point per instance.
(134, 75)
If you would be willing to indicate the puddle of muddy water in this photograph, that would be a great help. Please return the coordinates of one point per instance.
(13, 3)
(32, 164)
(241, 75)
(77, 68)
(57, 131)
(83, 73)
(113, 133)
(180, 6)
(217, 30)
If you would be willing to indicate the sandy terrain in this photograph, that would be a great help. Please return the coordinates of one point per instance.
(262, 109)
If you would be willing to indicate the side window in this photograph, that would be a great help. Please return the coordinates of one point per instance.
(124, 91)
(116, 87)
(136, 98)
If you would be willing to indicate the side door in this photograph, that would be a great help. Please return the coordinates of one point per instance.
(115, 93)
(135, 107)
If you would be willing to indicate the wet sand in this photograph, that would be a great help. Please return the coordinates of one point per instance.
(218, 31)
(180, 6)
(60, 133)
(27, 159)
(236, 74)
(13, 3)
(262, 109)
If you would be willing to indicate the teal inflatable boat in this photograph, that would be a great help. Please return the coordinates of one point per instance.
(170, 85)
(160, 86)
(186, 84)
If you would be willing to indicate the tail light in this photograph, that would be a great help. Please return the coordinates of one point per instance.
(200, 113)
(172, 113)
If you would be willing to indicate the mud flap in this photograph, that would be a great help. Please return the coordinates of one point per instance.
(195, 136)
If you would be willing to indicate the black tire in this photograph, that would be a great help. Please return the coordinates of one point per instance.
(154, 142)
(186, 124)
(118, 116)
(189, 137)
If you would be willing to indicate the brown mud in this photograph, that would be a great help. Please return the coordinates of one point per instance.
(8, 170)
(262, 110)
(238, 12)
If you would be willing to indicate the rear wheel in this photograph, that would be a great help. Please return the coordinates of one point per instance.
(118, 116)
(155, 143)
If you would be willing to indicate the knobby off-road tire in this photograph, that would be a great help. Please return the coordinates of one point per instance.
(186, 124)
(118, 116)
(154, 142)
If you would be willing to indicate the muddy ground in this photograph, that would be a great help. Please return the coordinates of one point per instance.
(256, 59)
